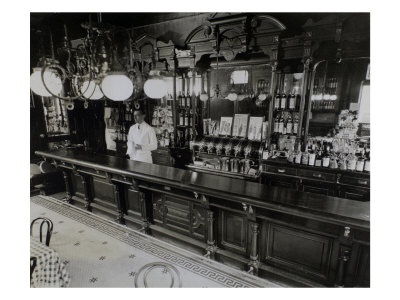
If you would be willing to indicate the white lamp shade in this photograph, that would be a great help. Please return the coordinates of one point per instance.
(117, 86)
(155, 88)
(232, 96)
(53, 82)
(91, 90)
(203, 97)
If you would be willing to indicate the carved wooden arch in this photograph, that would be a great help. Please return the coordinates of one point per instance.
(261, 22)
(200, 41)
(264, 35)
(200, 33)
(233, 41)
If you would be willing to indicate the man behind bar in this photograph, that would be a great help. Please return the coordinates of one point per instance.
(141, 139)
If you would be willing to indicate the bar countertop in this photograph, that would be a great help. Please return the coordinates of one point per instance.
(314, 206)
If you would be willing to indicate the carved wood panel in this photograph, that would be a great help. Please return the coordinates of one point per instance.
(103, 193)
(298, 250)
(233, 231)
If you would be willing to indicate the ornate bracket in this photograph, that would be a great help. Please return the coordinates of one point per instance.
(160, 209)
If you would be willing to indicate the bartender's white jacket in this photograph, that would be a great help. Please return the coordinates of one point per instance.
(144, 135)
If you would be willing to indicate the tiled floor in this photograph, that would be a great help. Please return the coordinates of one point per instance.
(99, 253)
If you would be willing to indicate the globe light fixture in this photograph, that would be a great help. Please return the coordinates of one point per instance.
(155, 88)
(117, 86)
(232, 96)
(52, 80)
(203, 97)
(91, 90)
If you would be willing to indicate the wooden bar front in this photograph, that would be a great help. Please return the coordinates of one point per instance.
(299, 238)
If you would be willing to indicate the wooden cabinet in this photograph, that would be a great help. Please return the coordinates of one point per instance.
(332, 182)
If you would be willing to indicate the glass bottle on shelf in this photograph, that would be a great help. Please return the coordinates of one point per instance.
(180, 99)
(292, 101)
(326, 157)
(283, 101)
(186, 118)
(277, 101)
(318, 156)
(289, 124)
(188, 99)
(181, 120)
(295, 125)
(276, 125)
(281, 124)
(312, 155)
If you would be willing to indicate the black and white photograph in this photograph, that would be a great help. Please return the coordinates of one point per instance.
(200, 146)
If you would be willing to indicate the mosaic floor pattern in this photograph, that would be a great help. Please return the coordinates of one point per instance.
(100, 253)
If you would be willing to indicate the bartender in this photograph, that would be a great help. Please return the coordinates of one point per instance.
(141, 139)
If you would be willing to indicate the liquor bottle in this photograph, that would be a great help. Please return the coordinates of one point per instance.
(277, 102)
(186, 118)
(312, 155)
(305, 157)
(289, 124)
(295, 125)
(188, 99)
(326, 157)
(281, 124)
(276, 124)
(292, 100)
(283, 101)
(181, 120)
(180, 99)
(297, 158)
(190, 118)
(318, 156)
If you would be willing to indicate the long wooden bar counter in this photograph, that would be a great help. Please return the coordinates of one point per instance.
(296, 237)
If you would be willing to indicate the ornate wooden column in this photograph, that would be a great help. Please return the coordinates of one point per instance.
(87, 197)
(254, 262)
(67, 186)
(211, 247)
(117, 197)
(144, 213)
(344, 256)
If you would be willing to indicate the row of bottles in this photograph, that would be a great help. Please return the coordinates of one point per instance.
(327, 91)
(321, 154)
(166, 139)
(323, 105)
(121, 132)
(184, 137)
(283, 101)
(184, 100)
(286, 123)
(185, 117)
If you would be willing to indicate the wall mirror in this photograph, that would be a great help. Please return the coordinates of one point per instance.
(337, 86)
(242, 90)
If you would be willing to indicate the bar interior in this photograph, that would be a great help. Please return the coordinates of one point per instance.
(240, 138)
